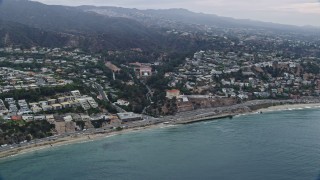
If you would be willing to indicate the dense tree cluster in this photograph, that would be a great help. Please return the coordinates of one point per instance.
(21, 66)
(14, 132)
(135, 94)
(41, 93)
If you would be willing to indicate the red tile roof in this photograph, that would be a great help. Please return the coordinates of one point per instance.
(16, 118)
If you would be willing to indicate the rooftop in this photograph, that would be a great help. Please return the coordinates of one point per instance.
(128, 115)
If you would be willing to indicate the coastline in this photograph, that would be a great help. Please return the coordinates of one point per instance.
(72, 140)
(290, 107)
(81, 138)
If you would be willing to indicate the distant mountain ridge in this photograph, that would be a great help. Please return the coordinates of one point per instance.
(189, 17)
(81, 27)
(30, 23)
(15, 33)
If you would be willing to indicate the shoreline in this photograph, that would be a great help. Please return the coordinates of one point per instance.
(291, 107)
(280, 108)
(87, 137)
(83, 138)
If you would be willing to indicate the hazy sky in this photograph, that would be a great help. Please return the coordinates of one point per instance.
(298, 12)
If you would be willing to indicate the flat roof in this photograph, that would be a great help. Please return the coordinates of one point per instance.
(56, 105)
(65, 103)
(128, 115)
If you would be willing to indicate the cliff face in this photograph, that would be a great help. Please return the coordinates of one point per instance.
(185, 106)
(260, 106)
(210, 103)
(88, 125)
(65, 127)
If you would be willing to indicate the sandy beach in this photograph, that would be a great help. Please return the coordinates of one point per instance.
(80, 138)
(72, 140)
(290, 107)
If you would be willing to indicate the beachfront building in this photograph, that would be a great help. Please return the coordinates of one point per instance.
(129, 116)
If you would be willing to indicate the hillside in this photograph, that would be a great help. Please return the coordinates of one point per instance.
(18, 34)
(176, 16)
(85, 27)
(97, 29)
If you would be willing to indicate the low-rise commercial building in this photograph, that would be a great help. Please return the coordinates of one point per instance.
(129, 116)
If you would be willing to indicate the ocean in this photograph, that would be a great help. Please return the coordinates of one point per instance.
(271, 146)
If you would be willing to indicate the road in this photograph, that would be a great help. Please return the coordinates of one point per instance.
(105, 98)
(107, 129)
(176, 119)
(101, 92)
(149, 96)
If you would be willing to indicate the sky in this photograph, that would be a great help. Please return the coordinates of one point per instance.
(295, 12)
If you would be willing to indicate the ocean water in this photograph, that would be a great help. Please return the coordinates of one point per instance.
(271, 146)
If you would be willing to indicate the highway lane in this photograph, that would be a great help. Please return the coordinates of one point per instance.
(176, 119)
